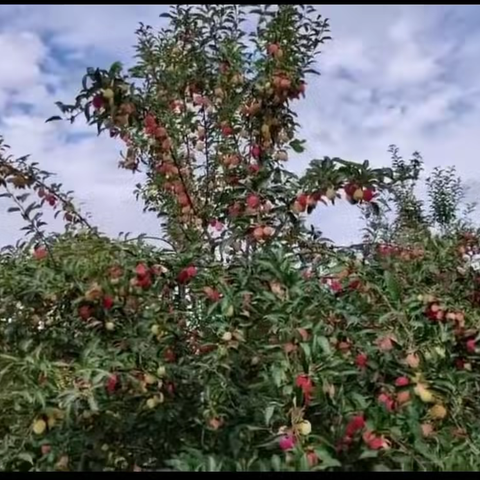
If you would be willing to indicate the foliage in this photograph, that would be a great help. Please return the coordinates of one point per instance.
(232, 350)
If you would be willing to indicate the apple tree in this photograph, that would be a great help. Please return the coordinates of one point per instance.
(230, 349)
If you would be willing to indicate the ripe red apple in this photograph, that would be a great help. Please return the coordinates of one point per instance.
(403, 397)
(141, 270)
(387, 401)
(302, 199)
(51, 199)
(273, 49)
(40, 253)
(187, 274)
(298, 207)
(255, 151)
(253, 168)
(368, 194)
(268, 231)
(350, 189)
(169, 355)
(234, 210)
(160, 133)
(253, 201)
(108, 302)
(112, 383)
(285, 83)
(212, 294)
(85, 312)
(166, 145)
(227, 130)
(144, 282)
(183, 200)
(98, 102)
(45, 449)
(402, 382)
(258, 233)
(361, 360)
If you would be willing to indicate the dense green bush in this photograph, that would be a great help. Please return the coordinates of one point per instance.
(239, 347)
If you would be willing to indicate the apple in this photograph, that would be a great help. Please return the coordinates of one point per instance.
(285, 83)
(368, 194)
(358, 194)
(39, 427)
(403, 397)
(85, 312)
(273, 49)
(297, 207)
(412, 360)
(287, 442)
(438, 412)
(258, 233)
(227, 337)
(46, 449)
(255, 151)
(253, 201)
(108, 93)
(149, 379)
(40, 253)
(108, 302)
(304, 428)
(350, 189)
(153, 402)
(425, 395)
(331, 193)
(226, 130)
(402, 382)
(98, 102)
(268, 231)
(237, 79)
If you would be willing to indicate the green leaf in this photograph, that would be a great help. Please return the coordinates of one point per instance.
(26, 457)
(297, 146)
(359, 401)
(276, 463)
(269, 413)
(324, 344)
(307, 351)
(327, 460)
(392, 285)
(369, 454)
(53, 119)
(92, 403)
(277, 377)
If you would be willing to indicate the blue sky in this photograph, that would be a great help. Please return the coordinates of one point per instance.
(393, 74)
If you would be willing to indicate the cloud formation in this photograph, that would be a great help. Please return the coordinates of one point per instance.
(393, 74)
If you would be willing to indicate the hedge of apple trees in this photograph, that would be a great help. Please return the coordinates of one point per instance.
(245, 342)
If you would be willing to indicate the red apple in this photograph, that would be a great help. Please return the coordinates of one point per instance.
(253, 201)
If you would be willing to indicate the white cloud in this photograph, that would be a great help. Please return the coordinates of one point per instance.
(21, 56)
(393, 74)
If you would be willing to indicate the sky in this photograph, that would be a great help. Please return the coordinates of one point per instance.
(403, 74)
